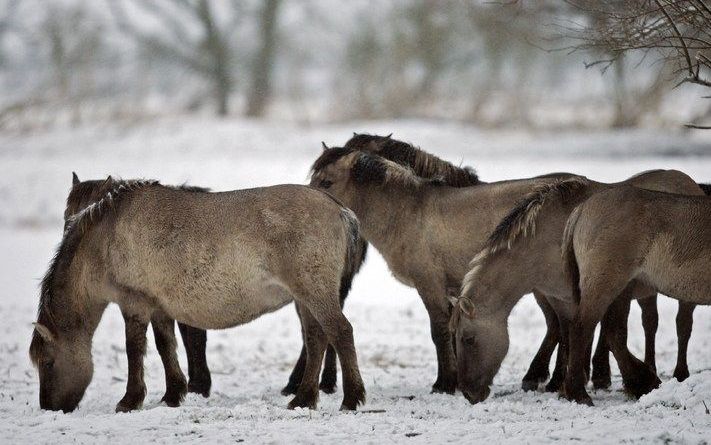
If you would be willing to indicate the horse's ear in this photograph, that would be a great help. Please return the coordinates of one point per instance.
(44, 332)
(453, 301)
(467, 307)
(75, 179)
(355, 134)
(108, 181)
(389, 136)
(325, 147)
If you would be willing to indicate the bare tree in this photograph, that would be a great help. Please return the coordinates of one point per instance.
(262, 65)
(678, 32)
(208, 55)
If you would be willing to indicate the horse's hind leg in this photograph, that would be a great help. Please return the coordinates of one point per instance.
(538, 371)
(638, 377)
(195, 341)
(650, 323)
(339, 332)
(316, 342)
(684, 323)
(601, 374)
(175, 385)
(136, 328)
(329, 377)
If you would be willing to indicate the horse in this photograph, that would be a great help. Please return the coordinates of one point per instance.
(622, 239)
(208, 260)
(426, 230)
(522, 254)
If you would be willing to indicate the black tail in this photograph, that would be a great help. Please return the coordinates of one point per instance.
(706, 188)
(570, 262)
(356, 252)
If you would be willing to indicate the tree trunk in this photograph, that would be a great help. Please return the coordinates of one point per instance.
(262, 65)
(219, 63)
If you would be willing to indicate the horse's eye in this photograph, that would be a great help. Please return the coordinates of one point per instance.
(325, 183)
(469, 341)
(48, 365)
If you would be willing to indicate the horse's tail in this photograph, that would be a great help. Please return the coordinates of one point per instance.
(706, 188)
(356, 251)
(570, 263)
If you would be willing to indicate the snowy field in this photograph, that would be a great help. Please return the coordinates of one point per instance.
(251, 363)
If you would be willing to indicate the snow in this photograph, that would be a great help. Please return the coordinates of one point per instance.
(251, 363)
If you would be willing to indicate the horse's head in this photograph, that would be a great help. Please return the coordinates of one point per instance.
(482, 342)
(65, 368)
(332, 172)
(83, 193)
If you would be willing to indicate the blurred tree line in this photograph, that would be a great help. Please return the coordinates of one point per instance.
(483, 62)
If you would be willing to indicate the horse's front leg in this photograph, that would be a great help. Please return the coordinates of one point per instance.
(136, 327)
(650, 323)
(684, 323)
(538, 370)
(195, 342)
(437, 306)
(175, 385)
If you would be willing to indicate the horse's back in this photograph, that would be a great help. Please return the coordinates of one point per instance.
(220, 259)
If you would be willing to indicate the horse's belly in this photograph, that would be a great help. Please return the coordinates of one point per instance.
(225, 309)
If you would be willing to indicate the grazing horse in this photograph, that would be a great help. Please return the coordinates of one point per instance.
(209, 260)
(426, 230)
(522, 255)
(627, 238)
(83, 193)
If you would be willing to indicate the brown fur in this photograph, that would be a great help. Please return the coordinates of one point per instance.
(425, 229)
(151, 248)
(515, 262)
(624, 238)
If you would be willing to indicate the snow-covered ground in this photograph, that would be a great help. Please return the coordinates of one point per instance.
(251, 363)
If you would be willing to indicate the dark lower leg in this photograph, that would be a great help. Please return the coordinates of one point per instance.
(538, 370)
(650, 322)
(446, 363)
(135, 351)
(175, 385)
(561, 360)
(329, 376)
(601, 374)
(353, 388)
(195, 342)
(638, 378)
(316, 342)
(580, 337)
(684, 323)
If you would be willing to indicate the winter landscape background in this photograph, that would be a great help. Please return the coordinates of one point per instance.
(93, 87)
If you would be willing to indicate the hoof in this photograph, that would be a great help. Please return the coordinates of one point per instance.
(326, 387)
(601, 382)
(643, 384)
(353, 399)
(529, 385)
(445, 386)
(581, 397)
(554, 385)
(175, 393)
(476, 396)
(681, 374)
(130, 402)
(289, 390)
(303, 402)
(200, 386)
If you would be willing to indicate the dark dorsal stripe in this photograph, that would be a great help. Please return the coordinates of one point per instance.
(706, 188)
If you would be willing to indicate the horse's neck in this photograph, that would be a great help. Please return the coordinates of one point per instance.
(388, 217)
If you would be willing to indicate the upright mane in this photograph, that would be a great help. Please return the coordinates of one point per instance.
(77, 225)
(521, 221)
(372, 169)
(424, 164)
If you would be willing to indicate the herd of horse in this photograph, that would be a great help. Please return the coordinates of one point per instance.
(471, 249)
